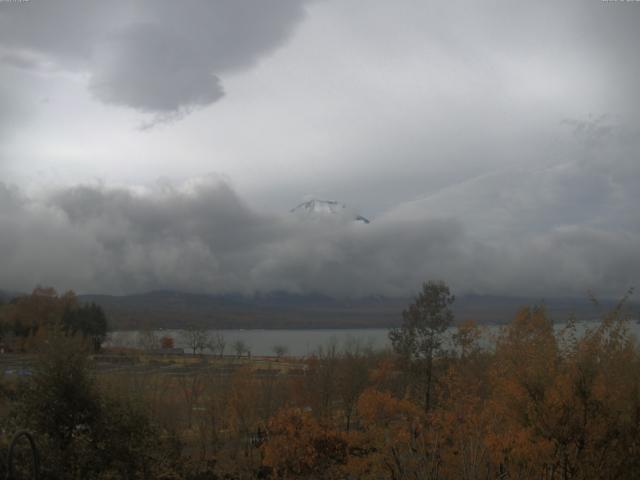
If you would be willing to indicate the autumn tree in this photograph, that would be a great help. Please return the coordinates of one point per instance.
(166, 342)
(392, 442)
(463, 420)
(298, 446)
(419, 339)
(467, 338)
(42, 310)
(524, 370)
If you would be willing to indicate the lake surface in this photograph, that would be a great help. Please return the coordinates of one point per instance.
(306, 342)
(262, 342)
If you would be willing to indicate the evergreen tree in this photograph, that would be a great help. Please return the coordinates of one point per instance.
(419, 339)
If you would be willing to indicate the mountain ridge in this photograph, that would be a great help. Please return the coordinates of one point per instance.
(273, 310)
(171, 309)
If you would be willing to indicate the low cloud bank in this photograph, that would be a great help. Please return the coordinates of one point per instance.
(511, 232)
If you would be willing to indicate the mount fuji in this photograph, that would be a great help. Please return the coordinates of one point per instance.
(324, 208)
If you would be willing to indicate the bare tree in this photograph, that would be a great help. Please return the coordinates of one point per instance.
(352, 375)
(280, 350)
(321, 378)
(239, 347)
(197, 339)
(217, 344)
(148, 339)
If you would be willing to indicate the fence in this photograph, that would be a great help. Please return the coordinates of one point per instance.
(35, 459)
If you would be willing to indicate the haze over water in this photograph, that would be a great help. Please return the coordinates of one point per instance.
(299, 342)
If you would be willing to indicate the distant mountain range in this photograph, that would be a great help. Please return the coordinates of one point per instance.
(171, 309)
(174, 309)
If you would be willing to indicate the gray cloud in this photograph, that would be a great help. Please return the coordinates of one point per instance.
(454, 103)
(160, 57)
(6, 107)
(547, 231)
(14, 114)
(151, 69)
(202, 237)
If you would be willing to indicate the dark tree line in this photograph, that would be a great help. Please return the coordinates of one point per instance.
(87, 320)
(26, 319)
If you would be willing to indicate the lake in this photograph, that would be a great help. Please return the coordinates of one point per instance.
(262, 342)
(304, 342)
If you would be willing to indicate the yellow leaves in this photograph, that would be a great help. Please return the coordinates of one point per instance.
(384, 373)
(30, 316)
(241, 411)
(526, 357)
(297, 445)
(560, 410)
(392, 438)
(533, 407)
(467, 337)
(382, 409)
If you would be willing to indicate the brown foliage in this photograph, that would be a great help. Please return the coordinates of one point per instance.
(166, 342)
(539, 403)
(299, 447)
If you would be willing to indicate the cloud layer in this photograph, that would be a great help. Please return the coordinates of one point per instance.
(547, 231)
(162, 57)
(513, 125)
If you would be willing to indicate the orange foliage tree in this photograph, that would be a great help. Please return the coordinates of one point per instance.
(298, 446)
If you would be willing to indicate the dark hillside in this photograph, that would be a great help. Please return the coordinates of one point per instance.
(171, 309)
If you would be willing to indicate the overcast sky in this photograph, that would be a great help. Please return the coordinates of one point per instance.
(161, 144)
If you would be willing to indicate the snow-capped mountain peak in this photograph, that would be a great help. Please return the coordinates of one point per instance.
(320, 208)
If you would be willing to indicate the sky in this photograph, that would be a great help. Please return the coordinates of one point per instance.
(160, 145)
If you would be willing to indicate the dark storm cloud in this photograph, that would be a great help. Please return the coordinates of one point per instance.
(160, 73)
(160, 57)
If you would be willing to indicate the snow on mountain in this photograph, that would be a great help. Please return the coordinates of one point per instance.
(323, 208)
